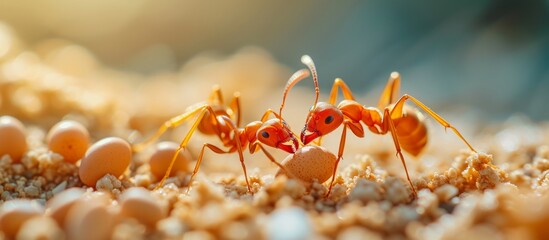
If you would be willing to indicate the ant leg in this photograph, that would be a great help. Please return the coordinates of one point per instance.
(216, 97)
(173, 122)
(389, 124)
(184, 142)
(391, 91)
(271, 158)
(397, 112)
(236, 138)
(269, 112)
(235, 107)
(339, 155)
(347, 94)
(199, 161)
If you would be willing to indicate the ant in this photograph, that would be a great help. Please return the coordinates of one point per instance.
(405, 124)
(216, 118)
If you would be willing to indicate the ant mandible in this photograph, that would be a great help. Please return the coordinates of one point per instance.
(405, 124)
(216, 118)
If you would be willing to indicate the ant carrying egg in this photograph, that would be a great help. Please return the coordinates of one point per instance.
(405, 124)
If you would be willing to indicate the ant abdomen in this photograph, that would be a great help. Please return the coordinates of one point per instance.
(411, 131)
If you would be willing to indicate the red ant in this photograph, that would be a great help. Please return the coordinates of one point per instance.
(405, 124)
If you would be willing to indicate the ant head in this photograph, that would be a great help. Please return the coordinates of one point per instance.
(277, 134)
(324, 118)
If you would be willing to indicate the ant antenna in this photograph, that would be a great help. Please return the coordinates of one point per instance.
(294, 79)
(298, 76)
(308, 61)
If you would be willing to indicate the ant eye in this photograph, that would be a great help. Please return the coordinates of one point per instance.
(265, 134)
(329, 119)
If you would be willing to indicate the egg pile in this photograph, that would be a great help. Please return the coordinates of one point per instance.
(80, 214)
(74, 210)
(71, 140)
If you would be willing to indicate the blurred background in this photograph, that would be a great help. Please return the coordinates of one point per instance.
(491, 56)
